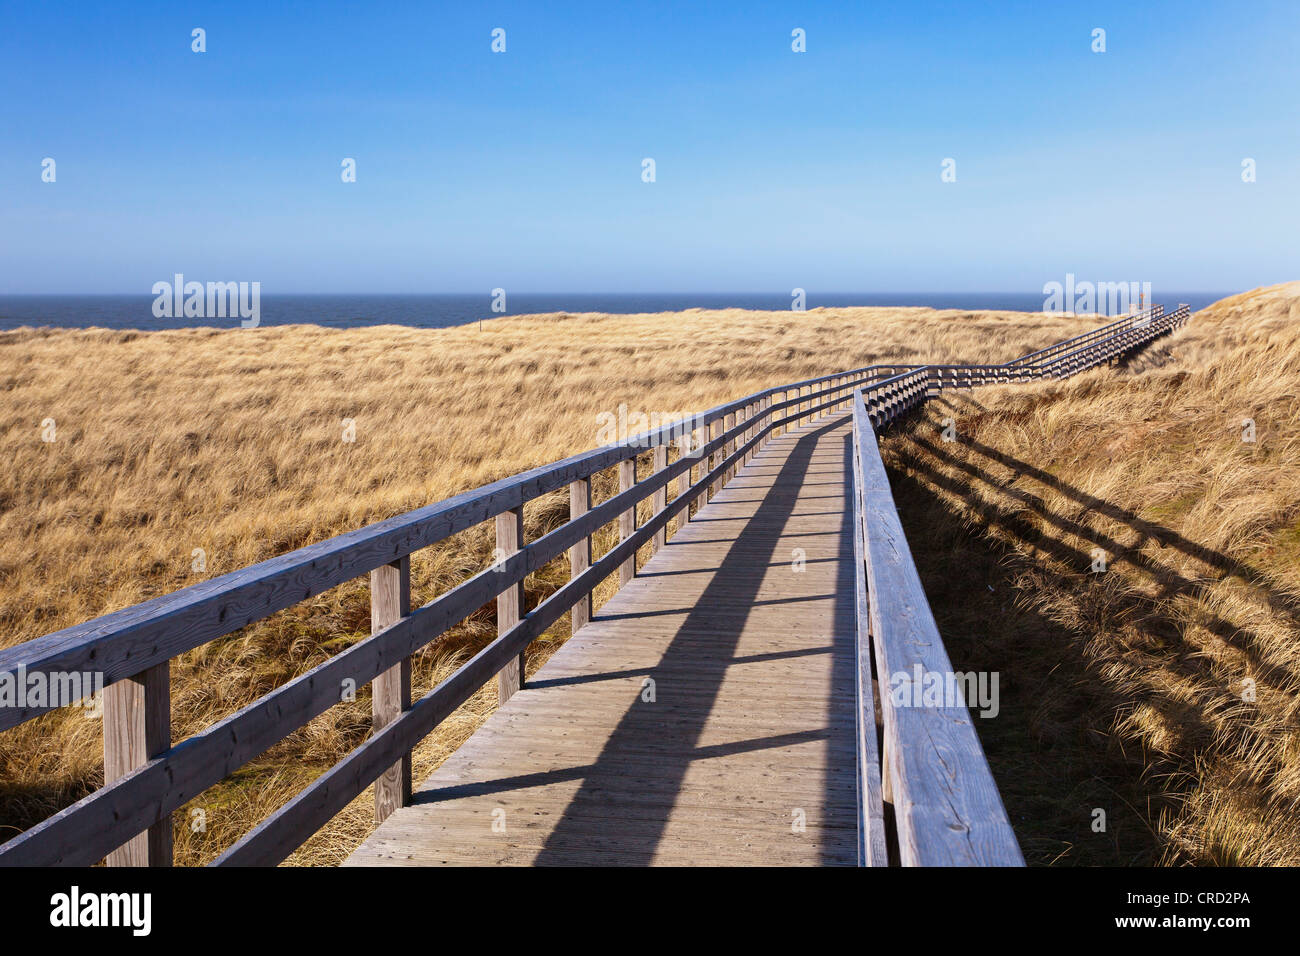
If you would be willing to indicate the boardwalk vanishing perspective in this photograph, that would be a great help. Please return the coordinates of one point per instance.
(732, 703)
(706, 714)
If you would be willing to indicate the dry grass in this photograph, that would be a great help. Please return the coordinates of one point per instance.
(230, 441)
(1126, 690)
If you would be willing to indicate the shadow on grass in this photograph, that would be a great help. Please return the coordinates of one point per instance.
(1052, 766)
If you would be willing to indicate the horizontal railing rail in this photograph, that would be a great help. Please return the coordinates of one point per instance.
(947, 811)
(148, 776)
(923, 757)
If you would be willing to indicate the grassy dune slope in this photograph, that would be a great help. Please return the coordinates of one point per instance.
(231, 441)
(1163, 691)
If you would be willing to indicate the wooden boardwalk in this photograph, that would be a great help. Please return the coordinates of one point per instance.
(711, 713)
(704, 716)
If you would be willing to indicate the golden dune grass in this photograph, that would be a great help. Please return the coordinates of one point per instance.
(1128, 690)
(231, 442)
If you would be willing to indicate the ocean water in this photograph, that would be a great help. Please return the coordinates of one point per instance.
(441, 311)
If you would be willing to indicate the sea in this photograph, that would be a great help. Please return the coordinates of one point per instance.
(436, 311)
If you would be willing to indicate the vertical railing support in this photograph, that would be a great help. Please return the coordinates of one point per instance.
(137, 728)
(580, 553)
(729, 446)
(390, 692)
(687, 449)
(510, 602)
(661, 495)
(627, 520)
(715, 459)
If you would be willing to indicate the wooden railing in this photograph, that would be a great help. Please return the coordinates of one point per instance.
(925, 757)
(148, 775)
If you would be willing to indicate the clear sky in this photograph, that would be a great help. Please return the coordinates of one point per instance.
(523, 169)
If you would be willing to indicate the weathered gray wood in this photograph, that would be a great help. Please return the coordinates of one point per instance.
(78, 834)
(727, 422)
(947, 808)
(286, 829)
(627, 520)
(390, 601)
(718, 455)
(687, 450)
(872, 847)
(580, 553)
(660, 456)
(510, 602)
(752, 728)
(137, 726)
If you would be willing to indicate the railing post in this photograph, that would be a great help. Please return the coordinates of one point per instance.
(390, 692)
(715, 459)
(510, 602)
(580, 553)
(661, 495)
(687, 449)
(137, 728)
(729, 446)
(750, 411)
(627, 520)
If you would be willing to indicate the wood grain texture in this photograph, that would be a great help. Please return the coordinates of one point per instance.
(510, 602)
(580, 552)
(627, 520)
(947, 808)
(137, 727)
(873, 849)
(660, 462)
(390, 601)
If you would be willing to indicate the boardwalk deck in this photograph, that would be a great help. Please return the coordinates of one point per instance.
(751, 728)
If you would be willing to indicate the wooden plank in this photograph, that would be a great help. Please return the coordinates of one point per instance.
(286, 829)
(627, 520)
(751, 727)
(80, 834)
(580, 553)
(390, 601)
(872, 847)
(684, 479)
(660, 455)
(947, 807)
(718, 455)
(510, 602)
(137, 727)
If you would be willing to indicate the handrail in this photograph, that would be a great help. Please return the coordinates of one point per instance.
(947, 810)
(1124, 321)
(929, 764)
(149, 776)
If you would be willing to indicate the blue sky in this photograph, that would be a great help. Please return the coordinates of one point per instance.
(523, 170)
